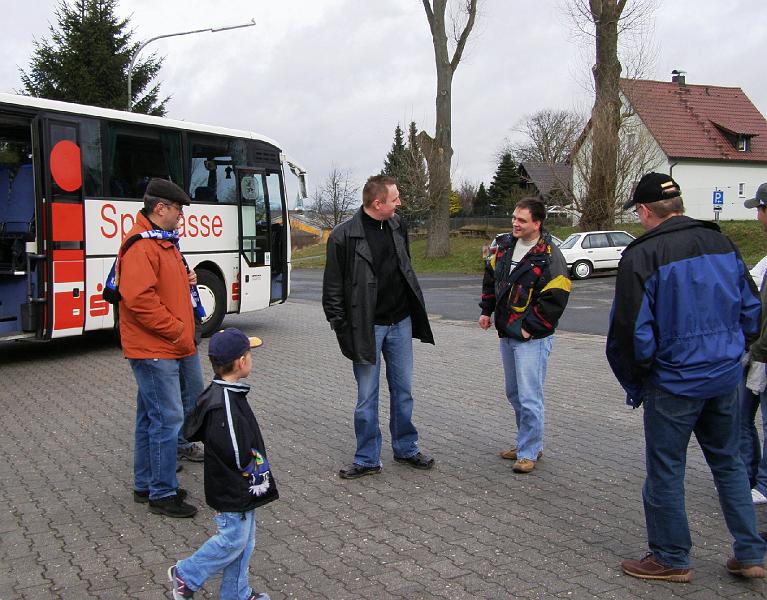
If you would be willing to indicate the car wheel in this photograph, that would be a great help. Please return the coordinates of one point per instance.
(213, 297)
(581, 269)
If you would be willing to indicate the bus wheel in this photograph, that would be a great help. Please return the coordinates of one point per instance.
(213, 296)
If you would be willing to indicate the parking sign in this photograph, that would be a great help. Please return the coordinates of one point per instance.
(718, 197)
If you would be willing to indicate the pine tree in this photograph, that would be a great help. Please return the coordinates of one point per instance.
(414, 181)
(86, 61)
(481, 202)
(396, 157)
(504, 190)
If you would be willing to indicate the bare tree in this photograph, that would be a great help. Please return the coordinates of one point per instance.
(606, 20)
(335, 199)
(438, 150)
(638, 153)
(547, 136)
(467, 192)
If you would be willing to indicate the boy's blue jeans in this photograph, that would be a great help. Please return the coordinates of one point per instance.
(228, 551)
(669, 422)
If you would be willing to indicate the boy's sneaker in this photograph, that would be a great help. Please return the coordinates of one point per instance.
(172, 506)
(192, 453)
(757, 497)
(180, 591)
(259, 596)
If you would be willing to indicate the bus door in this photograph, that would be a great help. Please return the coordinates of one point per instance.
(18, 248)
(62, 228)
(278, 237)
(255, 257)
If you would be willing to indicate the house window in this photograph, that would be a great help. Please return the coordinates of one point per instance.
(743, 143)
(741, 190)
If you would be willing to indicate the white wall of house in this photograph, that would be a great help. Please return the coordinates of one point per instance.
(699, 179)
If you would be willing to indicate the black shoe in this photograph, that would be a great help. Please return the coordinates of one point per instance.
(179, 467)
(355, 471)
(172, 506)
(143, 497)
(417, 461)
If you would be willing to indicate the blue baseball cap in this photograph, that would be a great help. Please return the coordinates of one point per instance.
(230, 344)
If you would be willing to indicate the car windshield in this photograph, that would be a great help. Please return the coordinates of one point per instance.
(569, 242)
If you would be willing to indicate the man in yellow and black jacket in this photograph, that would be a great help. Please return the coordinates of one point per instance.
(527, 287)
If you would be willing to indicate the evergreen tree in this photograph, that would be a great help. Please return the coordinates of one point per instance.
(86, 61)
(481, 202)
(414, 181)
(396, 158)
(504, 190)
(455, 204)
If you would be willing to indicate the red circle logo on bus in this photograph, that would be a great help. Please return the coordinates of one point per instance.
(65, 166)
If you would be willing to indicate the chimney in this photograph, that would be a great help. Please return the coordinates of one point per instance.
(677, 76)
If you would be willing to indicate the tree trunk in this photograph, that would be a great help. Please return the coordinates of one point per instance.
(599, 206)
(438, 150)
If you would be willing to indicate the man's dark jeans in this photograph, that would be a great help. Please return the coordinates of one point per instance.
(669, 421)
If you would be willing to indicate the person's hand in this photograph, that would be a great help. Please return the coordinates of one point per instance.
(525, 334)
(192, 277)
(484, 321)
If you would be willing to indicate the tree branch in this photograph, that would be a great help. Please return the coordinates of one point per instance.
(471, 10)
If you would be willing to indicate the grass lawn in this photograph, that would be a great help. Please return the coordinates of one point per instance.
(466, 253)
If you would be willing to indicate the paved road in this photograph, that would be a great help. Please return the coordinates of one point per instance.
(455, 298)
(470, 528)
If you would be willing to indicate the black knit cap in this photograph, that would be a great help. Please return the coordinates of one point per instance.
(652, 188)
(167, 190)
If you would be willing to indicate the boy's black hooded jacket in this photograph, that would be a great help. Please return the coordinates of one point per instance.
(237, 473)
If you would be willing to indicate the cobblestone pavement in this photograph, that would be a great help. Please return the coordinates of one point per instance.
(470, 528)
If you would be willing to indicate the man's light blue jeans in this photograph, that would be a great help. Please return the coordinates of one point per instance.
(669, 422)
(159, 417)
(228, 551)
(395, 342)
(524, 367)
(192, 385)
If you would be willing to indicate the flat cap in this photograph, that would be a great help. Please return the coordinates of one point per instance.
(167, 190)
(652, 188)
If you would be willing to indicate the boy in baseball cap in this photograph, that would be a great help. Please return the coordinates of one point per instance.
(237, 474)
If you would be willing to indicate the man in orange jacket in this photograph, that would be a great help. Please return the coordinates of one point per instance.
(157, 333)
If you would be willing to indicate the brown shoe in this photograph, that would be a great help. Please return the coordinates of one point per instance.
(650, 568)
(747, 571)
(523, 465)
(511, 454)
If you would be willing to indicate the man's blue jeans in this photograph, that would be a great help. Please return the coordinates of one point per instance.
(159, 417)
(524, 367)
(753, 453)
(228, 551)
(395, 342)
(669, 421)
(192, 385)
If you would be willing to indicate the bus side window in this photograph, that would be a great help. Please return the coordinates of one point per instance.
(136, 155)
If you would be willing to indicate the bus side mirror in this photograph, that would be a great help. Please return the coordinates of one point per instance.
(302, 185)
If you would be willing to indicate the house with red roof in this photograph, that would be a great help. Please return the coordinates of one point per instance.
(712, 140)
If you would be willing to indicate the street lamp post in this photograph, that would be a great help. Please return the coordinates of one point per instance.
(167, 35)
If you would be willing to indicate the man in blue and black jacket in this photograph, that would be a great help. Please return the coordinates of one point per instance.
(526, 286)
(685, 308)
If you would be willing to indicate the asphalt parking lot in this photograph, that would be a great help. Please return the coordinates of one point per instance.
(470, 528)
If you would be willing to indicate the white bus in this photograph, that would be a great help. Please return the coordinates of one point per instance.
(72, 179)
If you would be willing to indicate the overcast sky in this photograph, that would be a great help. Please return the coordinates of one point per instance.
(330, 79)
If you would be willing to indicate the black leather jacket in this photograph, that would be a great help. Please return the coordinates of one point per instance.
(349, 288)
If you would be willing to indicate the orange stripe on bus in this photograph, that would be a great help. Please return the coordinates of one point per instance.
(67, 222)
(68, 271)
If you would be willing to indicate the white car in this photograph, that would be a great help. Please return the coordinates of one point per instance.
(590, 251)
(494, 243)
